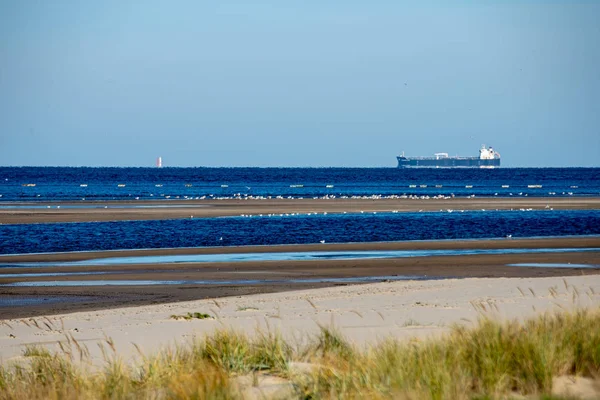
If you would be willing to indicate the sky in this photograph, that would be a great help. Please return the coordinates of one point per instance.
(298, 83)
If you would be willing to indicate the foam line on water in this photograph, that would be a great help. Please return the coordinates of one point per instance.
(97, 206)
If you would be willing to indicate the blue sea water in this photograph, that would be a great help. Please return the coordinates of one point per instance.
(33, 184)
(61, 183)
(339, 228)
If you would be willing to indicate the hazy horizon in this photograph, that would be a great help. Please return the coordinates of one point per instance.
(299, 84)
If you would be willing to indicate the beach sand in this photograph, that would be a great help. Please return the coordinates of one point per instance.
(363, 313)
(173, 209)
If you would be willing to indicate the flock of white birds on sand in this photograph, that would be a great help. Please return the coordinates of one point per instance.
(315, 213)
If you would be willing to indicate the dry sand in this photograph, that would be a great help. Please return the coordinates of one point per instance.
(363, 313)
(154, 210)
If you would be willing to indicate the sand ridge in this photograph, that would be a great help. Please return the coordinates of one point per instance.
(178, 209)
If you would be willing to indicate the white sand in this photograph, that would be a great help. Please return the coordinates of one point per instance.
(363, 313)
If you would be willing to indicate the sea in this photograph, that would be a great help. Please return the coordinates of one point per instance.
(28, 187)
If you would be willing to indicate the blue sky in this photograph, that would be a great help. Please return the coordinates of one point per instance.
(297, 83)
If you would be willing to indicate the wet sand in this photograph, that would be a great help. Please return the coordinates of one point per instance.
(177, 209)
(435, 267)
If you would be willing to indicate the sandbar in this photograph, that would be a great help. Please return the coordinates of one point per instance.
(178, 209)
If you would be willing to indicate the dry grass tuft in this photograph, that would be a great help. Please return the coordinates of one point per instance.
(492, 360)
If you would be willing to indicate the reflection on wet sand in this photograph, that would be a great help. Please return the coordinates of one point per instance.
(288, 256)
(137, 277)
(211, 282)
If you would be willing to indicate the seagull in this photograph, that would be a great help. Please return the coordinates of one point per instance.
(322, 241)
(221, 238)
(509, 236)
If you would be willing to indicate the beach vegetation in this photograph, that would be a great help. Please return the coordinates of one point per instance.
(411, 322)
(491, 360)
(189, 316)
(247, 308)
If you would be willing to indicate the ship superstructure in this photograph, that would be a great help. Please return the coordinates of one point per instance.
(488, 158)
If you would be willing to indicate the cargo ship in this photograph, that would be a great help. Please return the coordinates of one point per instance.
(488, 158)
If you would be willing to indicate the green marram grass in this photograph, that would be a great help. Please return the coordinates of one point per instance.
(492, 360)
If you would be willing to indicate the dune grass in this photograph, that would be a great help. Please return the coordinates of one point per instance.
(492, 360)
(189, 316)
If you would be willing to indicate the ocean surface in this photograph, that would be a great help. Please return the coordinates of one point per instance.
(59, 183)
(82, 185)
(331, 228)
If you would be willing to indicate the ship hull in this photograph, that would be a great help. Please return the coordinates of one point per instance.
(447, 162)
